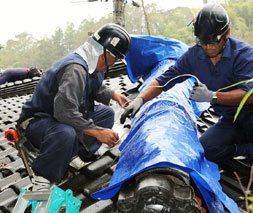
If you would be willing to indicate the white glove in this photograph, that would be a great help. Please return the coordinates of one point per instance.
(201, 93)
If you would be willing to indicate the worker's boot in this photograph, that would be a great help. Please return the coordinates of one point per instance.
(77, 163)
(41, 184)
(102, 149)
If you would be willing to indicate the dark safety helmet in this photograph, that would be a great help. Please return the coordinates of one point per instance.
(34, 72)
(113, 38)
(211, 24)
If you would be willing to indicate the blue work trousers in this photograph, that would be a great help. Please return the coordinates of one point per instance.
(221, 139)
(58, 143)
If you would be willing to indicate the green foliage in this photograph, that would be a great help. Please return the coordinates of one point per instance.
(240, 13)
(250, 199)
(25, 51)
(233, 85)
(171, 23)
(251, 205)
(245, 98)
(18, 52)
(243, 101)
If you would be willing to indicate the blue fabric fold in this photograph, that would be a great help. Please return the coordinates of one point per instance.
(147, 51)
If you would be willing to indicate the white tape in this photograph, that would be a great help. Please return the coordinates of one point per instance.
(96, 36)
(115, 41)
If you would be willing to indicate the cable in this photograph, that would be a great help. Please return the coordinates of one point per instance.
(179, 76)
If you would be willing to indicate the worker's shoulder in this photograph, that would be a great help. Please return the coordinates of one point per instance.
(239, 45)
(75, 67)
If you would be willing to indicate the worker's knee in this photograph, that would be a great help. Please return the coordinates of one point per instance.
(109, 112)
(68, 131)
(110, 120)
(67, 135)
(211, 156)
(104, 117)
(218, 154)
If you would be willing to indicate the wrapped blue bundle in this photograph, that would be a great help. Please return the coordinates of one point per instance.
(164, 134)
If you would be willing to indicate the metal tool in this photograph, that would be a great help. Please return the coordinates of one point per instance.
(15, 137)
(47, 201)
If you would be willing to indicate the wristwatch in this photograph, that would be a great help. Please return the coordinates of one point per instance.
(214, 99)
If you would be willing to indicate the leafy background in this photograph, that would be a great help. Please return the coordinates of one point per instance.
(26, 51)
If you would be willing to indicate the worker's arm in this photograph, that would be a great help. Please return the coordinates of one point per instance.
(201, 93)
(68, 100)
(233, 97)
(152, 90)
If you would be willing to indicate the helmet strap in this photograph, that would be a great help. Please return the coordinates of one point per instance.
(225, 41)
(107, 67)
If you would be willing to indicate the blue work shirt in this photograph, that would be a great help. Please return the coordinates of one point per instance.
(236, 64)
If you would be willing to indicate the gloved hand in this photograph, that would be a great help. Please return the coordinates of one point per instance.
(201, 93)
(132, 109)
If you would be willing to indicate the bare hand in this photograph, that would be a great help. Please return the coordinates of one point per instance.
(122, 100)
(108, 136)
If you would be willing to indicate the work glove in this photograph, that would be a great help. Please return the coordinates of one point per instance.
(132, 109)
(201, 93)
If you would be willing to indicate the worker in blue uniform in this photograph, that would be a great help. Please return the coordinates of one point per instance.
(65, 123)
(218, 60)
(17, 74)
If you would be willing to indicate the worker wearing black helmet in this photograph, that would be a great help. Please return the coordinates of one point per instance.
(64, 121)
(19, 74)
(217, 60)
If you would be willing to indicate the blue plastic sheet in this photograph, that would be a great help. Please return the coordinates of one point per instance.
(152, 50)
(164, 134)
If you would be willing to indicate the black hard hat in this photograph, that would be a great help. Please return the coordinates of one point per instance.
(211, 23)
(34, 72)
(114, 38)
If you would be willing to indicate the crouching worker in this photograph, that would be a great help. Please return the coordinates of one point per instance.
(65, 124)
(18, 74)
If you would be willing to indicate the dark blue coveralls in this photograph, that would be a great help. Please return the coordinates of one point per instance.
(12, 75)
(59, 142)
(224, 139)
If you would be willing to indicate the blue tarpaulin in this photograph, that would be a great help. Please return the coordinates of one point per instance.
(147, 51)
(164, 134)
